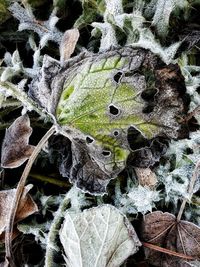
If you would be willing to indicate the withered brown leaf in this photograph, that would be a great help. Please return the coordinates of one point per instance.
(163, 230)
(68, 44)
(26, 207)
(15, 148)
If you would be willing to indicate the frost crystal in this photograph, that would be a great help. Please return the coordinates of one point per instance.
(137, 199)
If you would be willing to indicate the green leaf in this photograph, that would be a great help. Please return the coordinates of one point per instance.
(4, 13)
(91, 10)
(107, 103)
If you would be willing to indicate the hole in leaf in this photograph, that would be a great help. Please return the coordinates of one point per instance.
(113, 110)
(68, 92)
(148, 94)
(178, 179)
(148, 109)
(117, 77)
(106, 153)
(115, 133)
(135, 139)
(89, 140)
(188, 151)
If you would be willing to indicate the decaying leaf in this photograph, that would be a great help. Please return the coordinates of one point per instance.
(15, 148)
(163, 230)
(26, 207)
(98, 237)
(115, 107)
(146, 177)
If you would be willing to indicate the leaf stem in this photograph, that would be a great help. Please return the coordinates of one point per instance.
(167, 251)
(18, 194)
(190, 190)
(50, 180)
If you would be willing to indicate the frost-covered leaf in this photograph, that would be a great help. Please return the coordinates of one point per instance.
(15, 148)
(91, 10)
(98, 237)
(133, 25)
(162, 14)
(194, 264)
(162, 229)
(26, 206)
(108, 38)
(50, 68)
(108, 105)
(39, 230)
(176, 173)
(150, 9)
(192, 211)
(147, 41)
(176, 182)
(45, 29)
(191, 74)
(14, 66)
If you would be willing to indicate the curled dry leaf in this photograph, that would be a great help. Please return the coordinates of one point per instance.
(15, 148)
(26, 207)
(68, 44)
(163, 230)
(116, 106)
(98, 237)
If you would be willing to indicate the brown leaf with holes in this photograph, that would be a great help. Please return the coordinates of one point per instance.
(15, 148)
(26, 207)
(163, 230)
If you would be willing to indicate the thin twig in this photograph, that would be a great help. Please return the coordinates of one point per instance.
(190, 190)
(18, 194)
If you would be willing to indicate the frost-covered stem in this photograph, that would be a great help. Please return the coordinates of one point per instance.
(14, 103)
(21, 96)
(18, 194)
(190, 190)
(53, 232)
